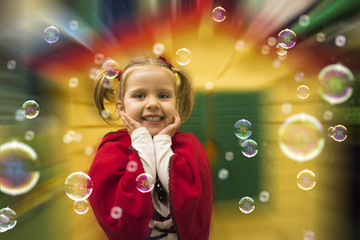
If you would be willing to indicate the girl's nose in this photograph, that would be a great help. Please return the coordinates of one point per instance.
(152, 102)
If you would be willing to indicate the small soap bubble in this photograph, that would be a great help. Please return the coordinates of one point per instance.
(304, 20)
(31, 109)
(330, 131)
(223, 174)
(183, 56)
(78, 186)
(105, 114)
(132, 166)
(99, 58)
(301, 137)
(276, 63)
(219, 14)
(229, 156)
(271, 41)
(73, 82)
(239, 45)
(309, 235)
(286, 108)
(265, 49)
(112, 69)
(19, 115)
(306, 180)
(336, 83)
(18, 167)
(299, 76)
(303, 92)
(8, 219)
(145, 182)
(81, 206)
(340, 41)
(78, 137)
(320, 37)
(339, 133)
(11, 64)
(29, 135)
(93, 73)
(327, 115)
(264, 196)
(116, 212)
(51, 34)
(249, 148)
(158, 49)
(280, 49)
(89, 150)
(242, 129)
(209, 85)
(287, 38)
(73, 25)
(246, 205)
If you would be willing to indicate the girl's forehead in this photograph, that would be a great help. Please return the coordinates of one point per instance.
(144, 70)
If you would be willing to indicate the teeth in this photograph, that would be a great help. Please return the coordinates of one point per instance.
(152, 119)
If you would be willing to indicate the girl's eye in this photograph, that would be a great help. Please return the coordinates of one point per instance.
(139, 95)
(163, 96)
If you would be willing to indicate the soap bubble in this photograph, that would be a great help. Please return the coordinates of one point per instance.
(51, 34)
(73, 25)
(29, 135)
(265, 49)
(301, 137)
(99, 58)
(246, 205)
(116, 212)
(239, 45)
(145, 182)
(31, 109)
(93, 73)
(78, 186)
(320, 37)
(299, 76)
(280, 49)
(11, 64)
(81, 206)
(132, 166)
(340, 40)
(303, 91)
(243, 129)
(264, 196)
(19, 115)
(73, 82)
(271, 41)
(219, 14)
(249, 148)
(304, 20)
(8, 219)
(286, 38)
(336, 83)
(158, 49)
(286, 108)
(112, 69)
(309, 235)
(89, 150)
(18, 168)
(223, 174)
(306, 180)
(339, 133)
(327, 115)
(229, 156)
(209, 85)
(183, 56)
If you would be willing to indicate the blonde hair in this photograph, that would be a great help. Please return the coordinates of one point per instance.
(105, 91)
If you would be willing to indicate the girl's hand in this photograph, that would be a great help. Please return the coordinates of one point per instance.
(130, 123)
(172, 127)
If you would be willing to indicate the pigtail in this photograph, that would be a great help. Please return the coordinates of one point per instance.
(104, 91)
(185, 94)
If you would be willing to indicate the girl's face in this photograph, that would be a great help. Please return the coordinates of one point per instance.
(149, 97)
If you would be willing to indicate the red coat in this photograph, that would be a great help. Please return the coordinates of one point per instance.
(190, 185)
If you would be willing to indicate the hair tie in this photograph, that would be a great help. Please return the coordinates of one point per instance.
(119, 75)
(167, 62)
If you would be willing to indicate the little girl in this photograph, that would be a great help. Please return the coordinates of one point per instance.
(152, 98)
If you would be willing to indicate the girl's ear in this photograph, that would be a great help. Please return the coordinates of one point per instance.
(119, 107)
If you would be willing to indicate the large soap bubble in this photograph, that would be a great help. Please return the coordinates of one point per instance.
(78, 186)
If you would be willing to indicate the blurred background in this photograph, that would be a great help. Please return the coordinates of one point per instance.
(287, 69)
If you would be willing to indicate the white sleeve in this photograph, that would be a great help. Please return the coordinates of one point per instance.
(142, 141)
(163, 152)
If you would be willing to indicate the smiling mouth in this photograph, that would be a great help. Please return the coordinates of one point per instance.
(152, 119)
